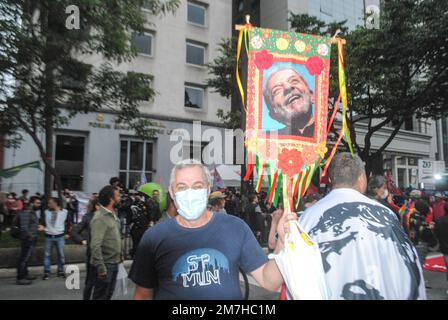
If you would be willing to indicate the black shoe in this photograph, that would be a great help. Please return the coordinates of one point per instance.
(30, 278)
(23, 282)
(61, 275)
(46, 276)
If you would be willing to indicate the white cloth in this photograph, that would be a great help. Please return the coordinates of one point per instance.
(301, 266)
(55, 222)
(365, 252)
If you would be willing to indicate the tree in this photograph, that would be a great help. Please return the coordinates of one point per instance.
(397, 71)
(393, 73)
(44, 80)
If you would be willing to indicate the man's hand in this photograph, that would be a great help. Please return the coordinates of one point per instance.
(67, 236)
(40, 228)
(283, 224)
(84, 242)
(102, 275)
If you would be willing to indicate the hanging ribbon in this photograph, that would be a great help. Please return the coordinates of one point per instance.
(286, 203)
(333, 115)
(278, 188)
(343, 93)
(342, 96)
(249, 166)
(243, 35)
(273, 177)
(261, 165)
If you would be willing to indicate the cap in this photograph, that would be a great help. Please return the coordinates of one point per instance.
(216, 195)
(438, 195)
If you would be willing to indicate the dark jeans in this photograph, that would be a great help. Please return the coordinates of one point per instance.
(103, 289)
(90, 281)
(27, 249)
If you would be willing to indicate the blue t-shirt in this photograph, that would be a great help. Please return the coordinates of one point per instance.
(196, 263)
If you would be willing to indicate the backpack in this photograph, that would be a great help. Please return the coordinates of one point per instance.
(15, 228)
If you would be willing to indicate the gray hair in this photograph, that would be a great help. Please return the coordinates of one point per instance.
(345, 169)
(374, 183)
(187, 163)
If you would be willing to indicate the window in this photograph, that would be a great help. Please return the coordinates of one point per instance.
(149, 5)
(69, 161)
(409, 124)
(195, 53)
(240, 6)
(194, 97)
(136, 158)
(143, 43)
(196, 13)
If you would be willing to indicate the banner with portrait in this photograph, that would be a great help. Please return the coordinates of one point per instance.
(286, 108)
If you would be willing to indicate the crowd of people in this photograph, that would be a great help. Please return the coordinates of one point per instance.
(223, 229)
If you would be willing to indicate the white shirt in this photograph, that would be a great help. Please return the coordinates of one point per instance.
(55, 222)
(365, 252)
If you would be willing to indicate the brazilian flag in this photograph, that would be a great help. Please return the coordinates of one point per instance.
(11, 172)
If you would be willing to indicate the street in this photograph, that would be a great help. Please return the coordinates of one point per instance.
(55, 289)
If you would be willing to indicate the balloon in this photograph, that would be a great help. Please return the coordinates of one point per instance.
(148, 188)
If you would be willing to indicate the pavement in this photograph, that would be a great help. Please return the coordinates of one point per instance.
(56, 288)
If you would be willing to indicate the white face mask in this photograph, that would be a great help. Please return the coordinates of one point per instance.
(385, 194)
(191, 203)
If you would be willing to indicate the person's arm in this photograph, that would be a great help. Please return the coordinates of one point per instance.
(67, 227)
(78, 229)
(97, 230)
(272, 240)
(268, 275)
(143, 293)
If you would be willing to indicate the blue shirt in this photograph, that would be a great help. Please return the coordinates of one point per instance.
(196, 263)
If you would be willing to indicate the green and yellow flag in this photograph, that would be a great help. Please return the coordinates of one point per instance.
(11, 172)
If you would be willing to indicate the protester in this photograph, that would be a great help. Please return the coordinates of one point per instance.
(229, 204)
(153, 208)
(28, 222)
(441, 232)
(377, 189)
(365, 252)
(3, 211)
(254, 216)
(170, 211)
(56, 225)
(217, 201)
(438, 206)
(105, 244)
(13, 207)
(408, 209)
(197, 254)
(420, 232)
(139, 222)
(238, 204)
(308, 201)
(24, 198)
(78, 237)
(71, 204)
